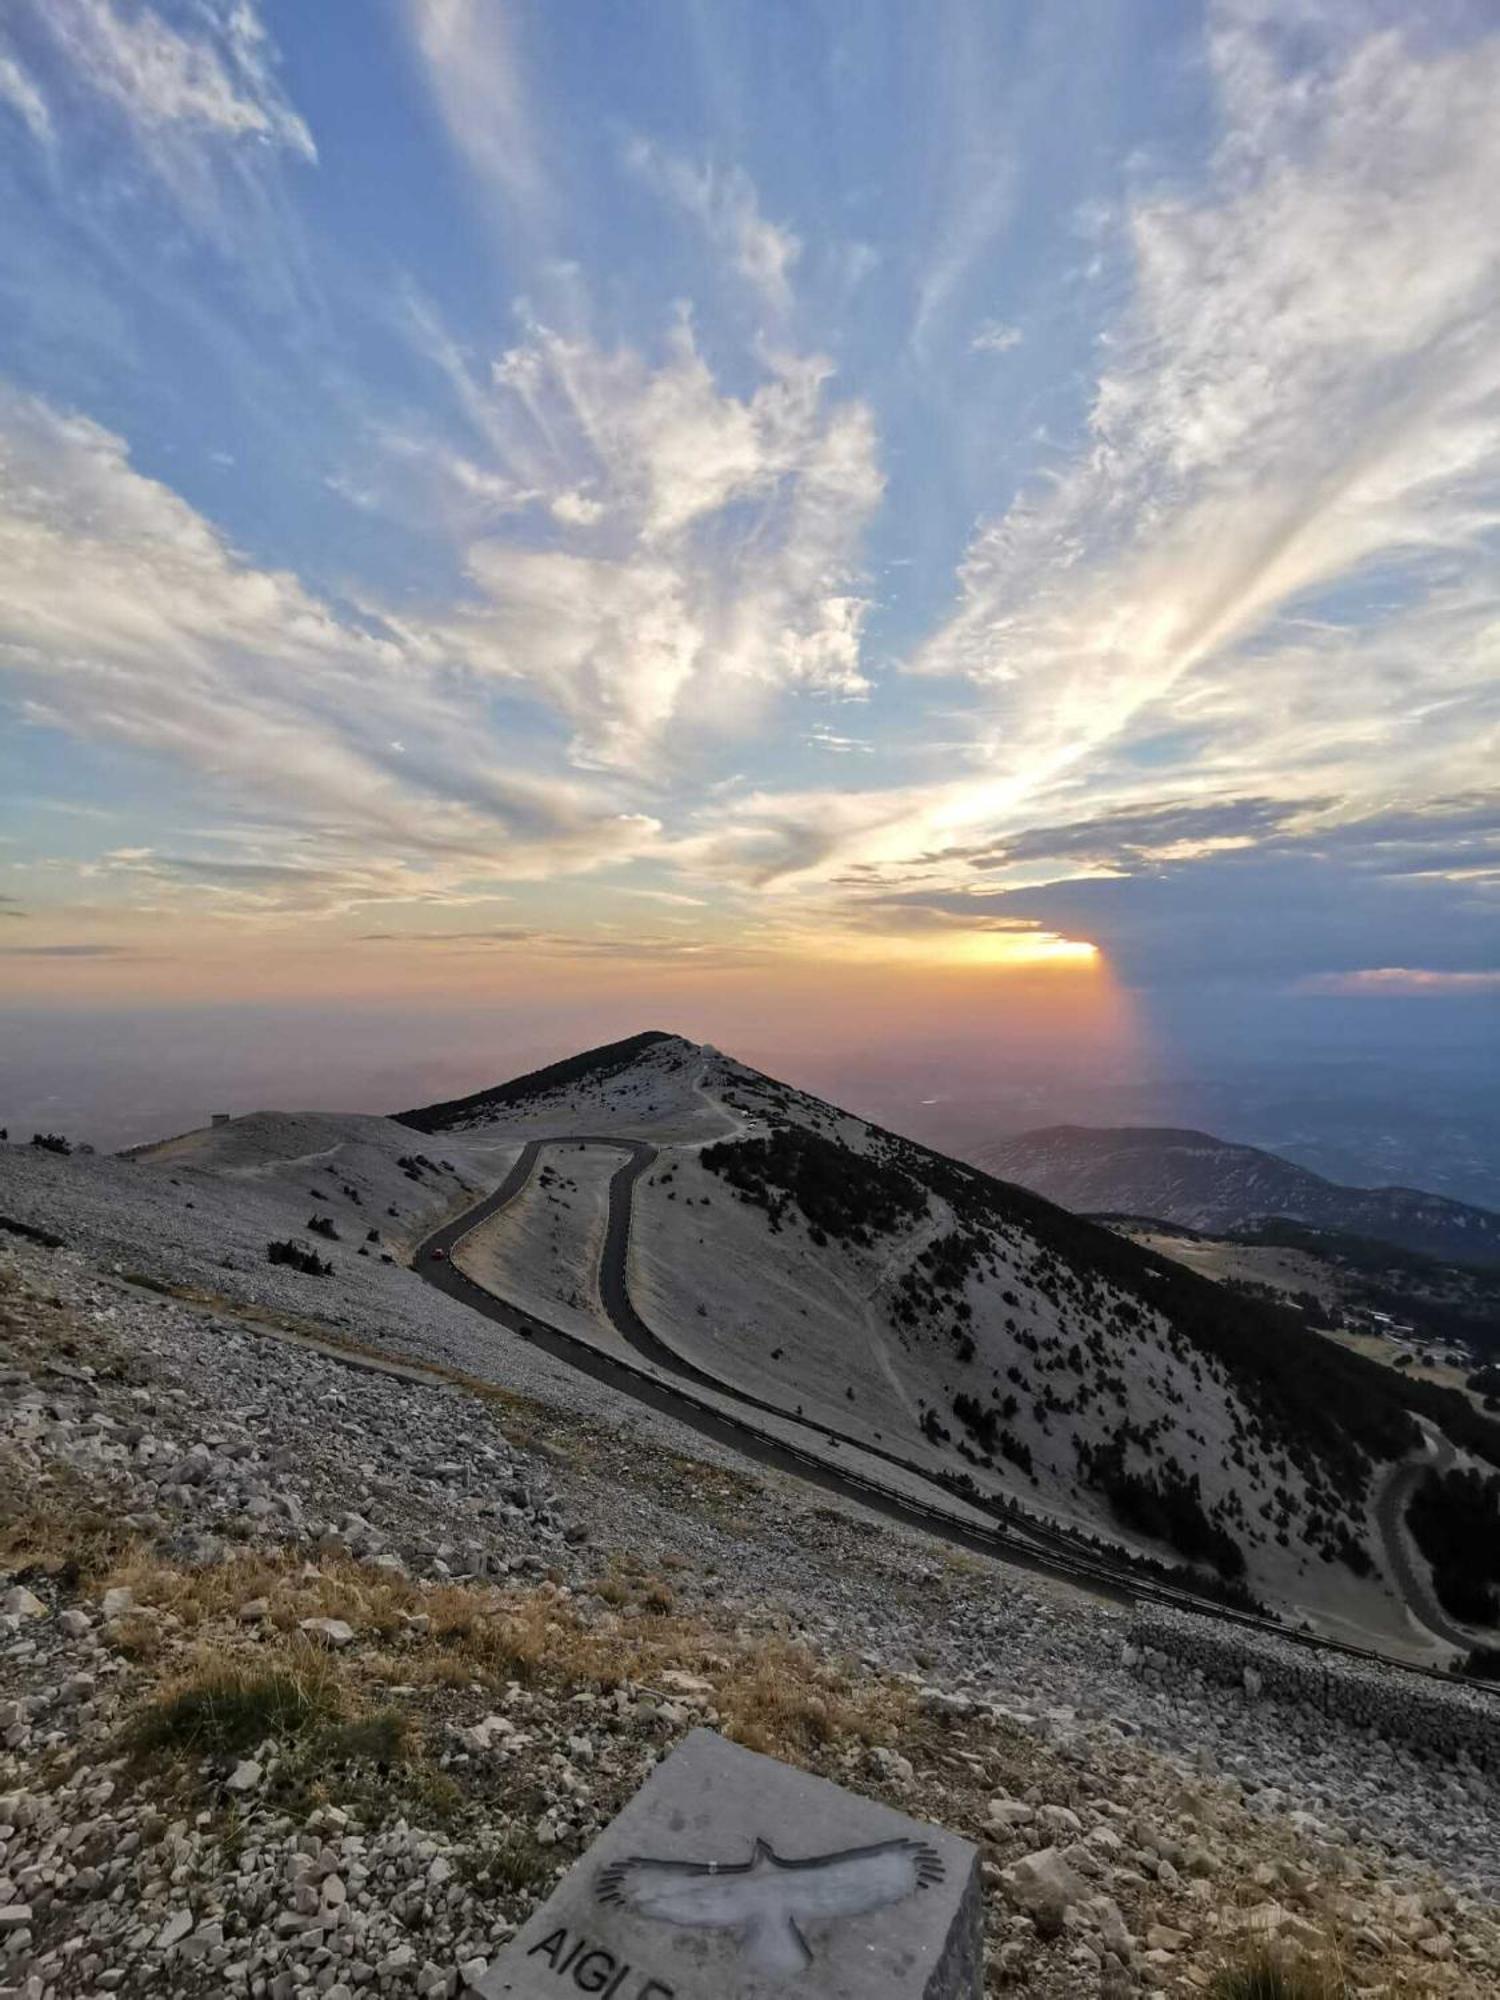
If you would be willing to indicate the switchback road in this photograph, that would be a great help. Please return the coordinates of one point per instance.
(1390, 1514)
(707, 1419)
(1024, 1544)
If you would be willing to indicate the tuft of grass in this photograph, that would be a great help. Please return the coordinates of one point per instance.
(384, 1739)
(138, 1637)
(225, 1707)
(513, 1866)
(55, 1526)
(1268, 1977)
(777, 1698)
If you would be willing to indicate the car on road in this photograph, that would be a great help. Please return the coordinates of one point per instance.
(439, 1256)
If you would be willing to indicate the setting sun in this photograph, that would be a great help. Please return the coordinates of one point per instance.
(1023, 948)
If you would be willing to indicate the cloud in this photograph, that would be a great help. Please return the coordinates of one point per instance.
(977, 165)
(1262, 442)
(1136, 834)
(175, 90)
(167, 131)
(216, 77)
(699, 549)
(469, 54)
(996, 336)
(724, 202)
(821, 737)
(21, 94)
(257, 885)
(763, 840)
(1251, 916)
(127, 619)
(575, 945)
(65, 951)
(1402, 981)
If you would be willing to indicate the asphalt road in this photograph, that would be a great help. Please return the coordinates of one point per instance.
(1039, 1550)
(745, 1438)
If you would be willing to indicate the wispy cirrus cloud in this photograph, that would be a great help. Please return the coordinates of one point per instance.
(20, 93)
(169, 85)
(166, 140)
(996, 336)
(1261, 440)
(127, 619)
(726, 205)
(470, 57)
(974, 198)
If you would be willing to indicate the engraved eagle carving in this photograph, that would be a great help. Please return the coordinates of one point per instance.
(766, 1899)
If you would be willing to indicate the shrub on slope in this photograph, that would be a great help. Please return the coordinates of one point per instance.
(839, 1192)
(1455, 1519)
(1317, 1400)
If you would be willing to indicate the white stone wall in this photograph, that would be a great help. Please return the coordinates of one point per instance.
(1440, 1718)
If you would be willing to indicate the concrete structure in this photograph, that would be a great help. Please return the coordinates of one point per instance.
(730, 1876)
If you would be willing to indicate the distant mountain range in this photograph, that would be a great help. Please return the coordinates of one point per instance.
(1211, 1184)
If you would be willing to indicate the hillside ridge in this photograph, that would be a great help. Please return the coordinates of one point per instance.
(917, 1304)
(596, 1063)
(1199, 1181)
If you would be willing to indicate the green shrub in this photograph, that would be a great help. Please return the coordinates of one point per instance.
(299, 1258)
(227, 1708)
(1454, 1518)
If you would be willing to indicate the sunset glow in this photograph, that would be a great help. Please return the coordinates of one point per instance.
(494, 513)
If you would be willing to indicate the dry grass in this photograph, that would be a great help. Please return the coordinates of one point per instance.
(769, 1693)
(781, 1699)
(56, 1525)
(1265, 1975)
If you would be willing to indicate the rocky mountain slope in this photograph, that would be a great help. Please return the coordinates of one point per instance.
(883, 1310)
(317, 1671)
(1210, 1184)
(911, 1305)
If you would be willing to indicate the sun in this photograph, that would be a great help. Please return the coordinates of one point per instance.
(1022, 948)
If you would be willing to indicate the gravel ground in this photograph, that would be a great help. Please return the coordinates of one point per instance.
(213, 1436)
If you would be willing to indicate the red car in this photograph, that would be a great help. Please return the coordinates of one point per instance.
(439, 1256)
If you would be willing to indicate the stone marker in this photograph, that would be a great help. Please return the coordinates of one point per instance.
(731, 1877)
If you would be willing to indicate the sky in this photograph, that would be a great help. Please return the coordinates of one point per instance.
(752, 518)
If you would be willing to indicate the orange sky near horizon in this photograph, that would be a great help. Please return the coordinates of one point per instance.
(1027, 990)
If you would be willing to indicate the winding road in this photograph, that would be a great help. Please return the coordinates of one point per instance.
(1410, 1573)
(1028, 1545)
(1040, 1550)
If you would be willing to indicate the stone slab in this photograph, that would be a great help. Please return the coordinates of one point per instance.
(730, 1876)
